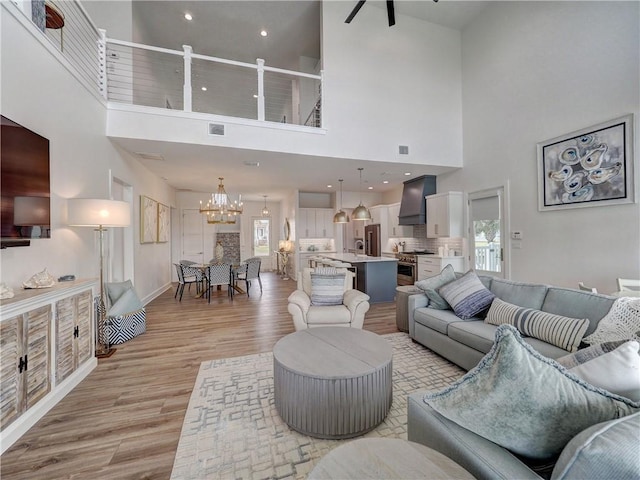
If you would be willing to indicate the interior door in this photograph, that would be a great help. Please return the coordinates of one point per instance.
(192, 236)
(486, 232)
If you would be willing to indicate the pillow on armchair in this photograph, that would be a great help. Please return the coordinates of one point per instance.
(327, 289)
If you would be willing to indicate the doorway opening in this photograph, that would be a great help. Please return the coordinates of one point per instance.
(487, 232)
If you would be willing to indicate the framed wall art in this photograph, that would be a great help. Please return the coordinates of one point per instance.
(587, 168)
(163, 223)
(148, 220)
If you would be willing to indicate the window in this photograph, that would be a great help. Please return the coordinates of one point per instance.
(486, 239)
(261, 237)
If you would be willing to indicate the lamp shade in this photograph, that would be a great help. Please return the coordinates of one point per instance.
(30, 211)
(361, 213)
(91, 212)
(341, 217)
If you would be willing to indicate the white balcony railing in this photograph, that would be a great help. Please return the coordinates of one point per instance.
(487, 258)
(183, 80)
(138, 74)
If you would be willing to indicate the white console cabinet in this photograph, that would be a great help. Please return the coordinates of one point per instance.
(46, 349)
(445, 214)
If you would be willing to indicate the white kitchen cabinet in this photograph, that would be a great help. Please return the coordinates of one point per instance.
(378, 214)
(324, 222)
(46, 349)
(445, 215)
(432, 265)
(395, 229)
(315, 223)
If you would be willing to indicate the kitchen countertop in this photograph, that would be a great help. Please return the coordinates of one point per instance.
(353, 258)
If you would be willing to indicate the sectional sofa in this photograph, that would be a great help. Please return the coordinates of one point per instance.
(465, 342)
(603, 450)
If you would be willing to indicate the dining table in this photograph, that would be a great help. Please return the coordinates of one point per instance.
(203, 267)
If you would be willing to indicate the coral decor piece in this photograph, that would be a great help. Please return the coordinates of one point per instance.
(6, 292)
(41, 279)
(219, 252)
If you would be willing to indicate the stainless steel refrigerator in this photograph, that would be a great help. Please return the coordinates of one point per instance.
(372, 240)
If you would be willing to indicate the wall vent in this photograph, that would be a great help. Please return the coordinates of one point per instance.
(216, 129)
(150, 156)
(403, 149)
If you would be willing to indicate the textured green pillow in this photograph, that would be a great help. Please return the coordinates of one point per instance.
(431, 285)
(525, 402)
(116, 289)
(127, 303)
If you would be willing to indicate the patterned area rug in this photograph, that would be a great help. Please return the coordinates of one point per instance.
(232, 429)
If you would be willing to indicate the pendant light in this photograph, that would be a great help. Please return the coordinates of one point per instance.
(265, 210)
(341, 216)
(361, 213)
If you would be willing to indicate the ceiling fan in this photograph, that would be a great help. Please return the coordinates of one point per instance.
(390, 12)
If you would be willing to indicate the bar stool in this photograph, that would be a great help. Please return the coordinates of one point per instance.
(313, 261)
(351, 268)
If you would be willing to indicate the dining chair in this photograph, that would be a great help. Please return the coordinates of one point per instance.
(628, 285)
(219, 274)
(249, 270)
(186, 276)
(583, 287)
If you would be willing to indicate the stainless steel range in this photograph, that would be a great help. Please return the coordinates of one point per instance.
(407, 266)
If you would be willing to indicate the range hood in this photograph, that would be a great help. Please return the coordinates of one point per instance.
(413, 208)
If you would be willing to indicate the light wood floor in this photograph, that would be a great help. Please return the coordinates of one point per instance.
(124, 419)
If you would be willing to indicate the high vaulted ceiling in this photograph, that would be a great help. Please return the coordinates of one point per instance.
(231, 29)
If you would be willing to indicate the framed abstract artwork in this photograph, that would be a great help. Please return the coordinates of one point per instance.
(148, 220)
(587, 168)
(163, 223)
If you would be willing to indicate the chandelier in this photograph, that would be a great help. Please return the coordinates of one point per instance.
(265, 210)
(219, 208)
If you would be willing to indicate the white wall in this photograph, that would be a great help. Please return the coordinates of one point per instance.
(533, 71)
(391, 86)
(41, 94)
(115, 17)
(384, 87)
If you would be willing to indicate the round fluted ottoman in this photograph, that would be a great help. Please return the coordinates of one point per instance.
(386, 458)
(332, 382)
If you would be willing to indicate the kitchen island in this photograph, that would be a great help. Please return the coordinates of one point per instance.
(375, 276)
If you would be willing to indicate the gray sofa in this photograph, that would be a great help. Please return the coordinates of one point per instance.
(465, 342)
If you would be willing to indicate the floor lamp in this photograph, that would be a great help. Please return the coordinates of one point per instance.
(99, 214)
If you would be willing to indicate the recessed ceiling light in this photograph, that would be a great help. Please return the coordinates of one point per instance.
(385, 181)
(188, 16)
(255, 96)
(407, 174)
(204, 89)
(329, 186)
(263, 33)
(370, 188)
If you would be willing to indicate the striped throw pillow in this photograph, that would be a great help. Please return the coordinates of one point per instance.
(327, 290)
(467, 296)
(563, 332)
